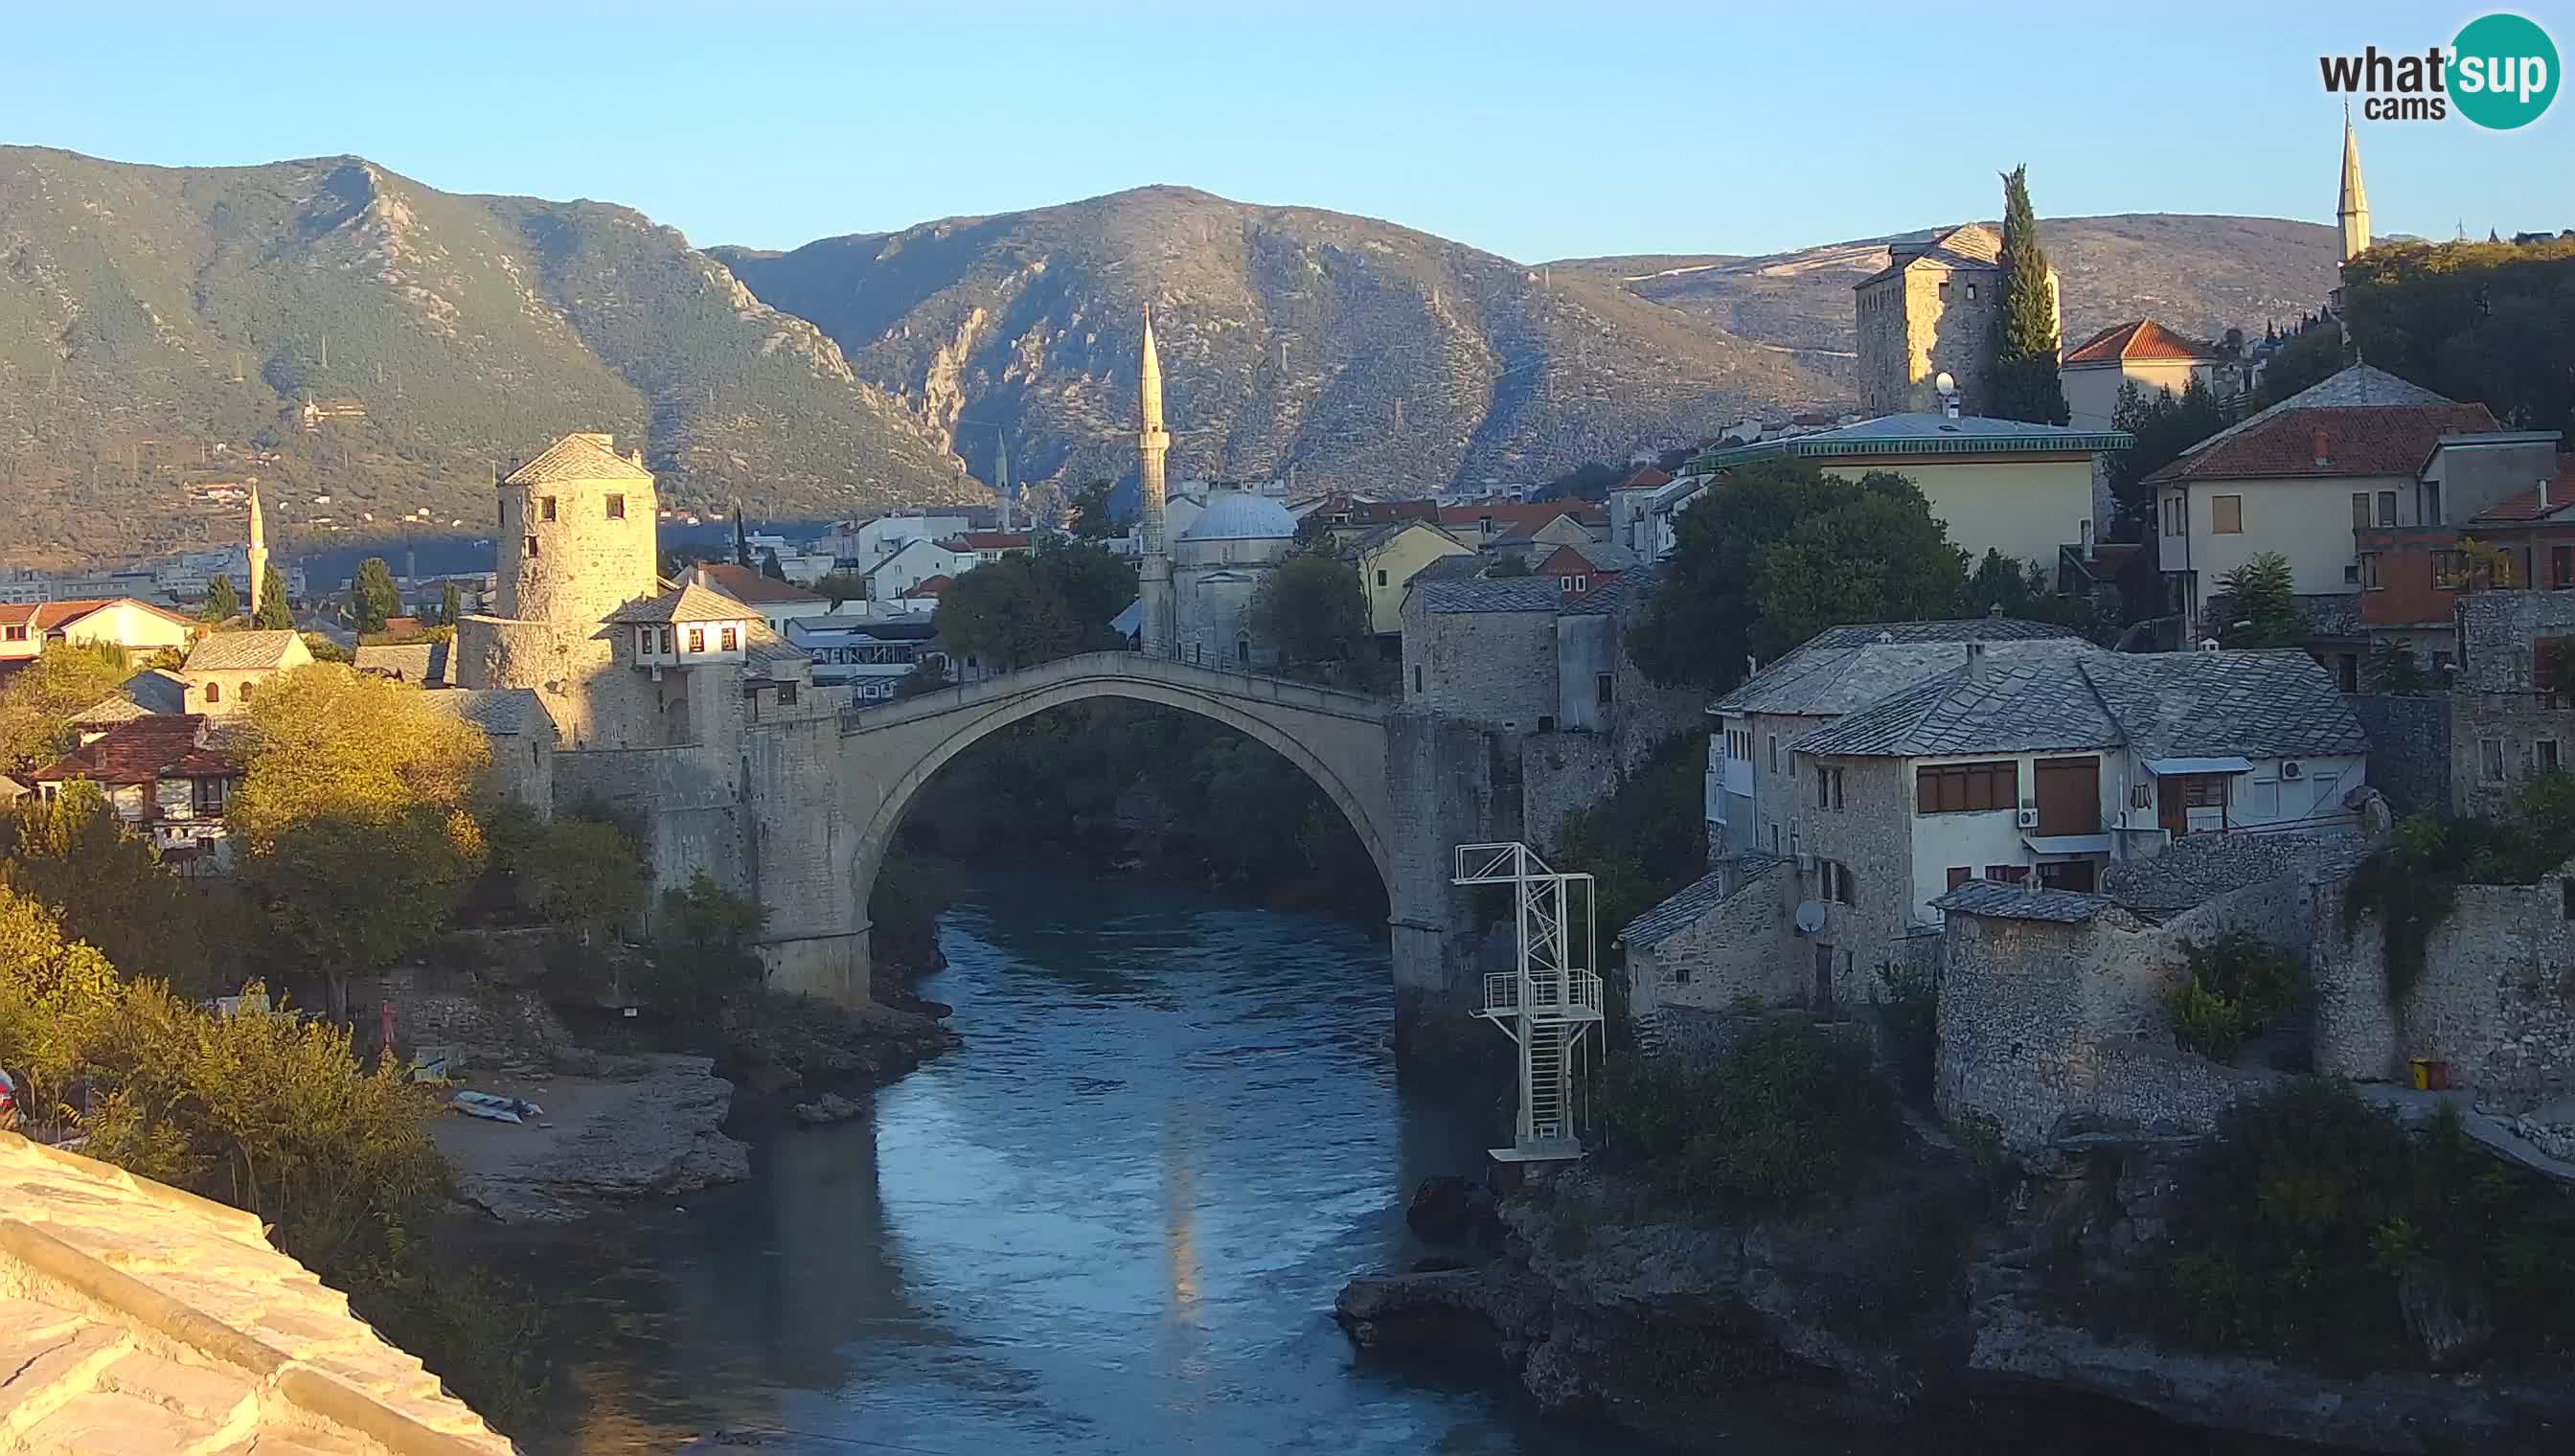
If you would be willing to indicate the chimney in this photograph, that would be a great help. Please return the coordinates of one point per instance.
(2325, 454)
(1975, 660)
(1950, 406)
(2543, 493)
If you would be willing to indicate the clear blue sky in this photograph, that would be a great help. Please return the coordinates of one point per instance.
(1534, 131)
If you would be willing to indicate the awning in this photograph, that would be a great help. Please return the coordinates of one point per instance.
(2166, 768)
(2067, 843)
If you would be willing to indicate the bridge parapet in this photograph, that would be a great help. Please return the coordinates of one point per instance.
(1249, 688)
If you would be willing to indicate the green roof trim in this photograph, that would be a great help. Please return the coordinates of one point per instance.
(1832, 444)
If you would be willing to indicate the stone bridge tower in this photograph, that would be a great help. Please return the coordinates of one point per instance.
(578, 541)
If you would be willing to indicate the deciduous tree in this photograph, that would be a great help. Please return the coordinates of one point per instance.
(39, 703)
(1092, 520)
(107, 882)
(1314, 611)
(1036, 606)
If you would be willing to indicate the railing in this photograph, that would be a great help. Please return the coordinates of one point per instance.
(1575, 996)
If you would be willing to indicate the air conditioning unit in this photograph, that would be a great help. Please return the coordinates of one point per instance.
(2029, 819)
(2290, 768)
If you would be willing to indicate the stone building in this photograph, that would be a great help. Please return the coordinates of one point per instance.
(520, 737)
(2512, 714)
(2140, 352)
(222, 672)
(1216, 566)
(1936, 309)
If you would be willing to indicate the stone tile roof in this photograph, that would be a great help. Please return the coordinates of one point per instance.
(748, 584)
(691, 603)
(2197, 868)
(1694, 901)
(2141, 338)
(242, 651)
(580, 456)
(1507, 594)
(497, 711)
(2260, 705)
(108, 711)
(1971, 246)
(410, 662)
(2023, 902)
(2373, 423)
(1845, 669)
(1921, 434)
(160, 745)
(143, 1319)
(140, 695)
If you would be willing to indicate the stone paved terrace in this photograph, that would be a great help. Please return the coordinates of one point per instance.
(136, 1318)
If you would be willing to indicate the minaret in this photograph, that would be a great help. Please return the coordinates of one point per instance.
(2353, 213)
(1152, 441)
(256, 558)
(1002, 478)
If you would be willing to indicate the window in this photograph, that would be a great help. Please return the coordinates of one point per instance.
(1944, 289)
(2172, 516)
(17, 633)
(617, 507)
(643, 641)
(2450, 571)
(1966, 788)
(1774, 839)
(2226, 515)
(1824, 797)
(787, 695)
(2261, 799)
(1546, 722)
(1971, 293)
(2368, 568)
(549, 503)
(2360, 510)
(731, 638)
(666, 640)
(2490, 759)
(2543, 756)
(1380, 576)
(1416, 677)
(1833, 883)
(697, 639)
(214, 693)
(1959, 874)
(1575, 584)
(247, 689)
(2204, 790)
(1243, 650)
(2387, 508)
(2007, 873)
(2561, 566)
(206, 795)
(2430, 503)
(1604, 689)
(1774, 753)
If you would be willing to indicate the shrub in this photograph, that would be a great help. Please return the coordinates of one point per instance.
(2234, 984)
(1908, 1012)
(1788, 1116)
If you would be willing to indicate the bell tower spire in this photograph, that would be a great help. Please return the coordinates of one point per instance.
(1152, 441)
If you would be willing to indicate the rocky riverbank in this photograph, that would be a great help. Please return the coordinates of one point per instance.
(1943, 1298)
(635, 1127)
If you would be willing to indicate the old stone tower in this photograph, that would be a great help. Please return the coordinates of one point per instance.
(578, 541)
(1936, 308)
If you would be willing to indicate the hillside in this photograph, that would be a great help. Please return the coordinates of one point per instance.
(1348, 351)
(161, 326)
(2197, 274)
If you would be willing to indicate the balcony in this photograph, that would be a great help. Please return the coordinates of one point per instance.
(1574, 996)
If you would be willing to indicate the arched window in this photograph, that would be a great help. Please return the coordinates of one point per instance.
(246, 689)
(214, 693)
(1243, 650)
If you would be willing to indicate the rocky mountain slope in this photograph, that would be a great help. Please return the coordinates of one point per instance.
(161, 326)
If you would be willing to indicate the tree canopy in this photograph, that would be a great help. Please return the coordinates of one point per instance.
(2165, 426)
(373, 599)
(2488, 322)
(1778, 551)
(40, 700)
(1092, 520)
(274, 615)
(2026, 381)
(2256, 605)
(1037, 605)
(74, 852)
(1314, 611)
(222, 603)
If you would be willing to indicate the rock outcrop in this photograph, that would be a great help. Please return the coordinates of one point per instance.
(653, 1127)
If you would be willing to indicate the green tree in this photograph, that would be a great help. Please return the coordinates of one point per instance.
(77, 855)
(354, 820)
(2311, 356)
(2165, 426)
(222, 603)
(2393, 667)
(1314, 611)
(928, 675)
(702, 957)
(1036, 606)
(1092, 520)
(771, 567)
(38, 704)
(2490, 321)
(274, 615)
(2026, 381)
(451, 604)
(1643, 840)
(2257, 605)
(373, 599)
(842, 587)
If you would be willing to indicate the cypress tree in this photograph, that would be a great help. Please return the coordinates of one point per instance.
(273, 611)
(223, 602)
(449, 606)
(373, 598)
(2026, 381)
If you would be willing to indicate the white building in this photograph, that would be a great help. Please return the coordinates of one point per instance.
(896, 577)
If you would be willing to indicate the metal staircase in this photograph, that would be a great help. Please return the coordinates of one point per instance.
(1551, 1004)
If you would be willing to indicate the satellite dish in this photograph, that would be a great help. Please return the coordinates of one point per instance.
(1945, 384)
(1810, 918)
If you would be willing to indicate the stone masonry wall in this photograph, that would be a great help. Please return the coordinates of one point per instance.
(593, 701)
(684, 809)
(586, 564)
(1446, 787)
(2409, 749)
(1872, 833)
(2496, 1000)
(1560, 773)
(1735, 955)
(1487, 667)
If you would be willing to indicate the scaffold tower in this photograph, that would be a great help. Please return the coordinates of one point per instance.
(1550, 1003)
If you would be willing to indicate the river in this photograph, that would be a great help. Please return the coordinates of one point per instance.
(1114, 1221)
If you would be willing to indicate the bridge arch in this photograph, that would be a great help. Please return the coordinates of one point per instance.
(1338, 740)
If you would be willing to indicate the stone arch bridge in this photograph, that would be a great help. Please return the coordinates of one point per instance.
(821, 820)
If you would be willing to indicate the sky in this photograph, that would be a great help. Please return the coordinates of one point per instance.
(1533, 131)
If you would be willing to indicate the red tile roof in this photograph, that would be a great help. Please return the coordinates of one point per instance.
(748, 585)
(993, 540)
(2528, 507)
(931, 585)
(55, 616)
(1387, 512)
(1647, 478)
(147, 749)
(2143, 339)
(2350, 439)
(1522, 515)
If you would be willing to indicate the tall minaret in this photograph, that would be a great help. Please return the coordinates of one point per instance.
(2353, 213)
(257, 556)
(1152, 441)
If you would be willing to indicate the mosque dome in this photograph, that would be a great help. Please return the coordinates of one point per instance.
(1242, 516)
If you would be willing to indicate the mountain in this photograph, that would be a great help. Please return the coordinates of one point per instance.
(2201, 275)
(1342, 351)
(162, 327)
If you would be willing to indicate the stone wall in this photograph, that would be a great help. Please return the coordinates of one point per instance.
(1560, 773)
(594, 703)
(2041, 1022)
(2409, 749)
(1448, 783)
(2496, 1000)
(681, 807)
(586, 564)
(1909, 334)
(1738, 953)
(485, 1015)
(798, 847)
(1487, 666)
(2496, 698)
(1871, 834)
